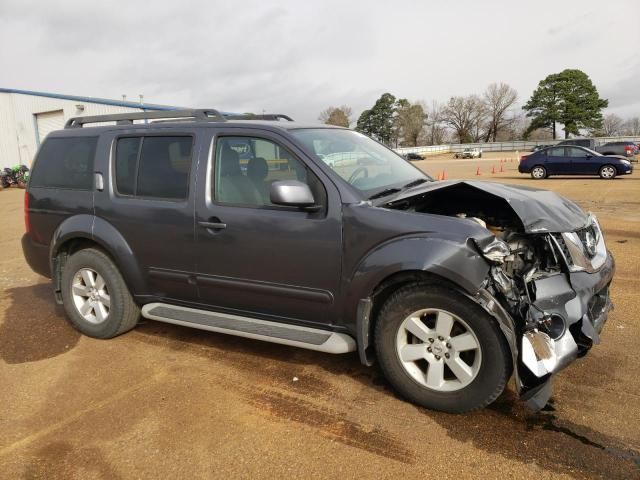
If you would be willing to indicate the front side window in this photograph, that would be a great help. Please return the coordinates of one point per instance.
(245, 168)
(151, 166)
(65, 163)
(368, 166)
(575, 152)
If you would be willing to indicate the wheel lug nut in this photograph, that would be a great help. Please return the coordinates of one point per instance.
(437, 357)
(440, 338)
(428, 349)
(446, 355)
(431, 340)
(448, 345)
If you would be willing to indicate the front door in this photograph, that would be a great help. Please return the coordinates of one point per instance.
(258, 259)
(582, 162)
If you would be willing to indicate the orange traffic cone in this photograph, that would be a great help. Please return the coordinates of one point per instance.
(478, 171)
(501, 169)
(493, 170)
(439, 177)
(444, 174)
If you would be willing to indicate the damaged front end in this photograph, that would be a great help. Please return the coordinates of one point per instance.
(556, 288)
(548, 283)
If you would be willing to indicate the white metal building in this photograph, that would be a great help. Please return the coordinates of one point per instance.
(27, 117)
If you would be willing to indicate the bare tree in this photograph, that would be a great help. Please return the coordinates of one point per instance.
(340, 116)
(612, 125)
(497, 100)
(632, 127)
(436, 131)
(466, 116)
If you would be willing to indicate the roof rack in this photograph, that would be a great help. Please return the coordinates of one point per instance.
(255, 116)
(200, 115)
(197, 115)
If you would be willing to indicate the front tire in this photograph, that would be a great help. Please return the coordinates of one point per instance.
(607, 172)
(95, 296)
(440, 350)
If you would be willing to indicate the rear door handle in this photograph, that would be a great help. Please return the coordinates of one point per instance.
(213, 225)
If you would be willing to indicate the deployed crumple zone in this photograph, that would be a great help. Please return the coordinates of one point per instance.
(543, 250)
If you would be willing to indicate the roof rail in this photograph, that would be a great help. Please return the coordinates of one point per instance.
(256, 116)
(198, 115)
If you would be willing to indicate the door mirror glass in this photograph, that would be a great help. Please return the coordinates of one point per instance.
(291, 193)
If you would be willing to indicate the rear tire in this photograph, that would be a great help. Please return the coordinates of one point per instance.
(538, 172)
(607, 172)
(456, 338)
(95, 296)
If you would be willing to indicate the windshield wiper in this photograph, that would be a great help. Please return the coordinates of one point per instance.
(384, 193)
(389, 191)
(415, 183)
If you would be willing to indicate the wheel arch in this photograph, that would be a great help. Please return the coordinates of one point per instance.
(87, 231)
(454, 263)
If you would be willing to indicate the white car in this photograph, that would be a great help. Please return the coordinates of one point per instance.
(469, 153)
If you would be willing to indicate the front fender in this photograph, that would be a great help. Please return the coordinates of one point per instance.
(457, 261)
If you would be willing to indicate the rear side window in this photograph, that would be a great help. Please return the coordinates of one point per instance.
(153, 166)
(556, 152)
(65, 163)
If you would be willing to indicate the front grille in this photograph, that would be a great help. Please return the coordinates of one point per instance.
(563, 247)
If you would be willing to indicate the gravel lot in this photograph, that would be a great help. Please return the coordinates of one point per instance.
(168, 402)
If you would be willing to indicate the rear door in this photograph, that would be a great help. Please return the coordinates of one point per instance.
(557, 162)
(150, 200)
(256, 258)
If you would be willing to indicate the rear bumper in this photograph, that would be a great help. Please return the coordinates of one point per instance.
(36, 255)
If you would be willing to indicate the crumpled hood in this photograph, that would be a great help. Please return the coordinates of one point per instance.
(539, 210)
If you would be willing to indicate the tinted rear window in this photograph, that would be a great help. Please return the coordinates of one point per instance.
(65, 163)
(153, 166)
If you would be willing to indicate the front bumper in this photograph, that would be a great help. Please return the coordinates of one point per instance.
(581, 299)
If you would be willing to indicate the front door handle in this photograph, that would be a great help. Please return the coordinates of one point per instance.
(213, 225)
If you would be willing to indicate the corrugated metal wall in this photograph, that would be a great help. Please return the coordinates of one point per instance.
(18, 138)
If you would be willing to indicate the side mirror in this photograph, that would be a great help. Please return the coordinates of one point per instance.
(291, 193)
(589, 156)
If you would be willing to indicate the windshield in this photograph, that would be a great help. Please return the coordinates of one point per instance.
(364, 163)
(592, 152)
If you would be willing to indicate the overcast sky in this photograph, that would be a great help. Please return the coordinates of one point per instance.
(298, 57)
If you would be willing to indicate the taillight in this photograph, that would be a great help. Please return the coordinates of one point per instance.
(522, 157)
(27, 223)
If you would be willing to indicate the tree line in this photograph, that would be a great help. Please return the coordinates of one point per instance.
(568, 99)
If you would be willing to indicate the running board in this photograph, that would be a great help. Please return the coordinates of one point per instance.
(274, 332)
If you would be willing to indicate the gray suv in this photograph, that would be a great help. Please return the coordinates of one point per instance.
(316, 237)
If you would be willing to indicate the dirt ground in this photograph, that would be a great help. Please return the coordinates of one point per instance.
(168, 402)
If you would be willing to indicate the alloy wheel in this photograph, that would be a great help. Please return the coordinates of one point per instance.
(91, 295)
(607, 172)
(538, 172)
(438, 350)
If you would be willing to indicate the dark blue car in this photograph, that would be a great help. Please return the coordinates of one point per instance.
(573, 160)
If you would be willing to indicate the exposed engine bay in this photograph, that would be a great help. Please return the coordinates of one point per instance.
(543, 278)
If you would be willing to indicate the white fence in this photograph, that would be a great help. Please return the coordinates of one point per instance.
(520, 145)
